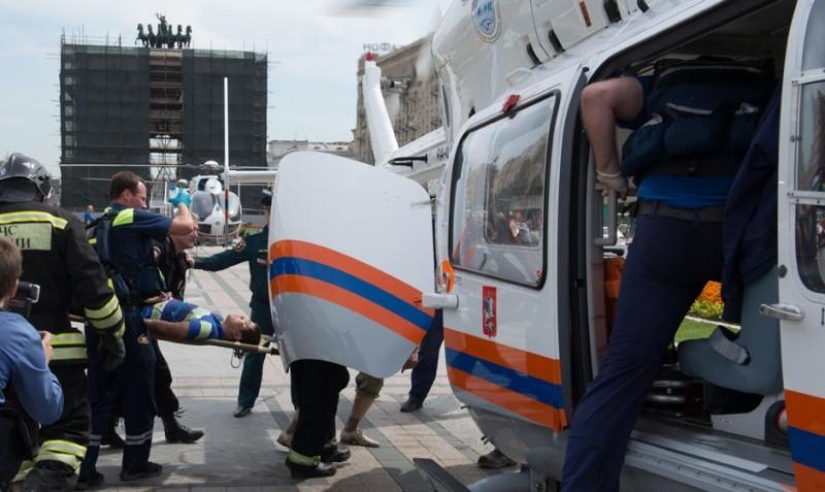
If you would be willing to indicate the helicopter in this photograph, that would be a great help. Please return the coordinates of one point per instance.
(217, 210)
(352, 249)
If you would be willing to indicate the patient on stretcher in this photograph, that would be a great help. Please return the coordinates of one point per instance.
(179, 321)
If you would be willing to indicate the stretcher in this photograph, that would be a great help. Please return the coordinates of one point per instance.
(266, 346)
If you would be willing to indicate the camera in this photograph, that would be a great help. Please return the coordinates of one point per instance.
(26, 295)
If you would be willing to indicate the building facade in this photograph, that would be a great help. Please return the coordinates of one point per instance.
(277, 149)
(158, 112)
(411, 95)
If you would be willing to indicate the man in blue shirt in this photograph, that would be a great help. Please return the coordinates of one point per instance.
(26, 383)
(138, 282)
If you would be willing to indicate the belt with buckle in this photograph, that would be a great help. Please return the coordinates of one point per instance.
(661, 209)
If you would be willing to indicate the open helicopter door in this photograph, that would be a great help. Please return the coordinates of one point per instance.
(350, 256)
(801, 306)
(501, 341)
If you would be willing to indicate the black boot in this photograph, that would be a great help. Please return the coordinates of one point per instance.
(175, 432)
(301, 472)
(111, 438)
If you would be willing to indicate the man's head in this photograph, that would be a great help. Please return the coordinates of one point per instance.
(183, 242)
(128, 189)
(90, 208)
(266, 203)
(237, 327)
(11, 268)
(25, 179)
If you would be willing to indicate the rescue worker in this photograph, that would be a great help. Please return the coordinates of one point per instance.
(171, 258)
(29, 392)
(253, 250)
(138, 282)
(694, 121)
(58, 257)
(173, 262)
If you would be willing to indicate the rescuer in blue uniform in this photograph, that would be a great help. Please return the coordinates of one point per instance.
(138, 282)
(694, 121)
(29, 392)
(251, 249)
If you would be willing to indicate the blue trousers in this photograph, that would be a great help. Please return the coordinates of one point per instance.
(253, 363)
(668, 264)
(423, 374)
(136, 381)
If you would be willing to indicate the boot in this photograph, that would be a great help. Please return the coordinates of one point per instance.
(175, 432)
(111, 438)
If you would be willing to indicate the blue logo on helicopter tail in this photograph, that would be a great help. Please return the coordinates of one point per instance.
(487, 19)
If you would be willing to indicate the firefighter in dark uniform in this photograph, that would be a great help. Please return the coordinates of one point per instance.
(137, 282)
(58, 257)
(173, 262)
(251, 249)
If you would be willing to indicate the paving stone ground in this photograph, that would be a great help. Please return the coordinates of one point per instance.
(242, 455)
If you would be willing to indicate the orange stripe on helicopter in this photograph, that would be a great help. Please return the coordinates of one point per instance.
(350, 265)
(532, 410)
(299, 284)
(808, 479)
(534, 365)
(805, 412)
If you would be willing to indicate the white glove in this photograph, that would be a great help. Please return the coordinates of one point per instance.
(615, 182)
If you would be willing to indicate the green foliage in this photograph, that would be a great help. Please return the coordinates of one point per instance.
(707, 310)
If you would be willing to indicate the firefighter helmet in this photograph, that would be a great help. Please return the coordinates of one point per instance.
(24, 167)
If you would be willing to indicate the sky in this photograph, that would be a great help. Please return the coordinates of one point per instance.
(313, 48)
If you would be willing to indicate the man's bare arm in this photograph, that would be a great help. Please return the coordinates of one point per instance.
(602, 104)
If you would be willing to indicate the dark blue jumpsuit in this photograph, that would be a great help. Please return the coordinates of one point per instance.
(133, 231)
(677, 249)
(254, 251)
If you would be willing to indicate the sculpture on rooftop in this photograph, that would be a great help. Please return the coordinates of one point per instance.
(165, 37)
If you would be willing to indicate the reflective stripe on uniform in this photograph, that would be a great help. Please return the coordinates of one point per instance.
(94, 440)
(33, 216)
(66, 452)
(302, 459)
(106, 317)
(124, 217)
(69, 353)
(138, 439)
(68, 339)
(69, 346)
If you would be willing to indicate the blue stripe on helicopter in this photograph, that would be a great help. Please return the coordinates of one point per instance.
(807, 448)
(344, 280)
(518, 382)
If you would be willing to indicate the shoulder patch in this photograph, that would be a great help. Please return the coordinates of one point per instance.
(239, 245)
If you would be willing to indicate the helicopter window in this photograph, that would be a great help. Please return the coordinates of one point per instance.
(498, 205)
(810, 176)
(203, 204)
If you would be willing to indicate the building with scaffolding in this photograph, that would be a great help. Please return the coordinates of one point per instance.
(158, 112)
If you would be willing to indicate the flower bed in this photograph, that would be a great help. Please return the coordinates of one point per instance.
(709, 304)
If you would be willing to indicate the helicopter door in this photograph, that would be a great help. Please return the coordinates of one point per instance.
(501, 347)
(350, 255)
(801, 307)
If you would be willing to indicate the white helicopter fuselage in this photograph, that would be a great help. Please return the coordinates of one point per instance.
(209, 205)
(524, 300)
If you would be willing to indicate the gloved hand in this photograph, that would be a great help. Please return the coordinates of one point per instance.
(181, 197)
(112, 350)
(615, 182)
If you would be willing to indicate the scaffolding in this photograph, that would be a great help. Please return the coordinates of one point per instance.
(157, 112)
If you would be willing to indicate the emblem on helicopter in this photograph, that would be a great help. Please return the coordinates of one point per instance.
(487, 19)
(489, 324)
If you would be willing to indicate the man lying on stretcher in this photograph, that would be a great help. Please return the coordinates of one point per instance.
(179, 321)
